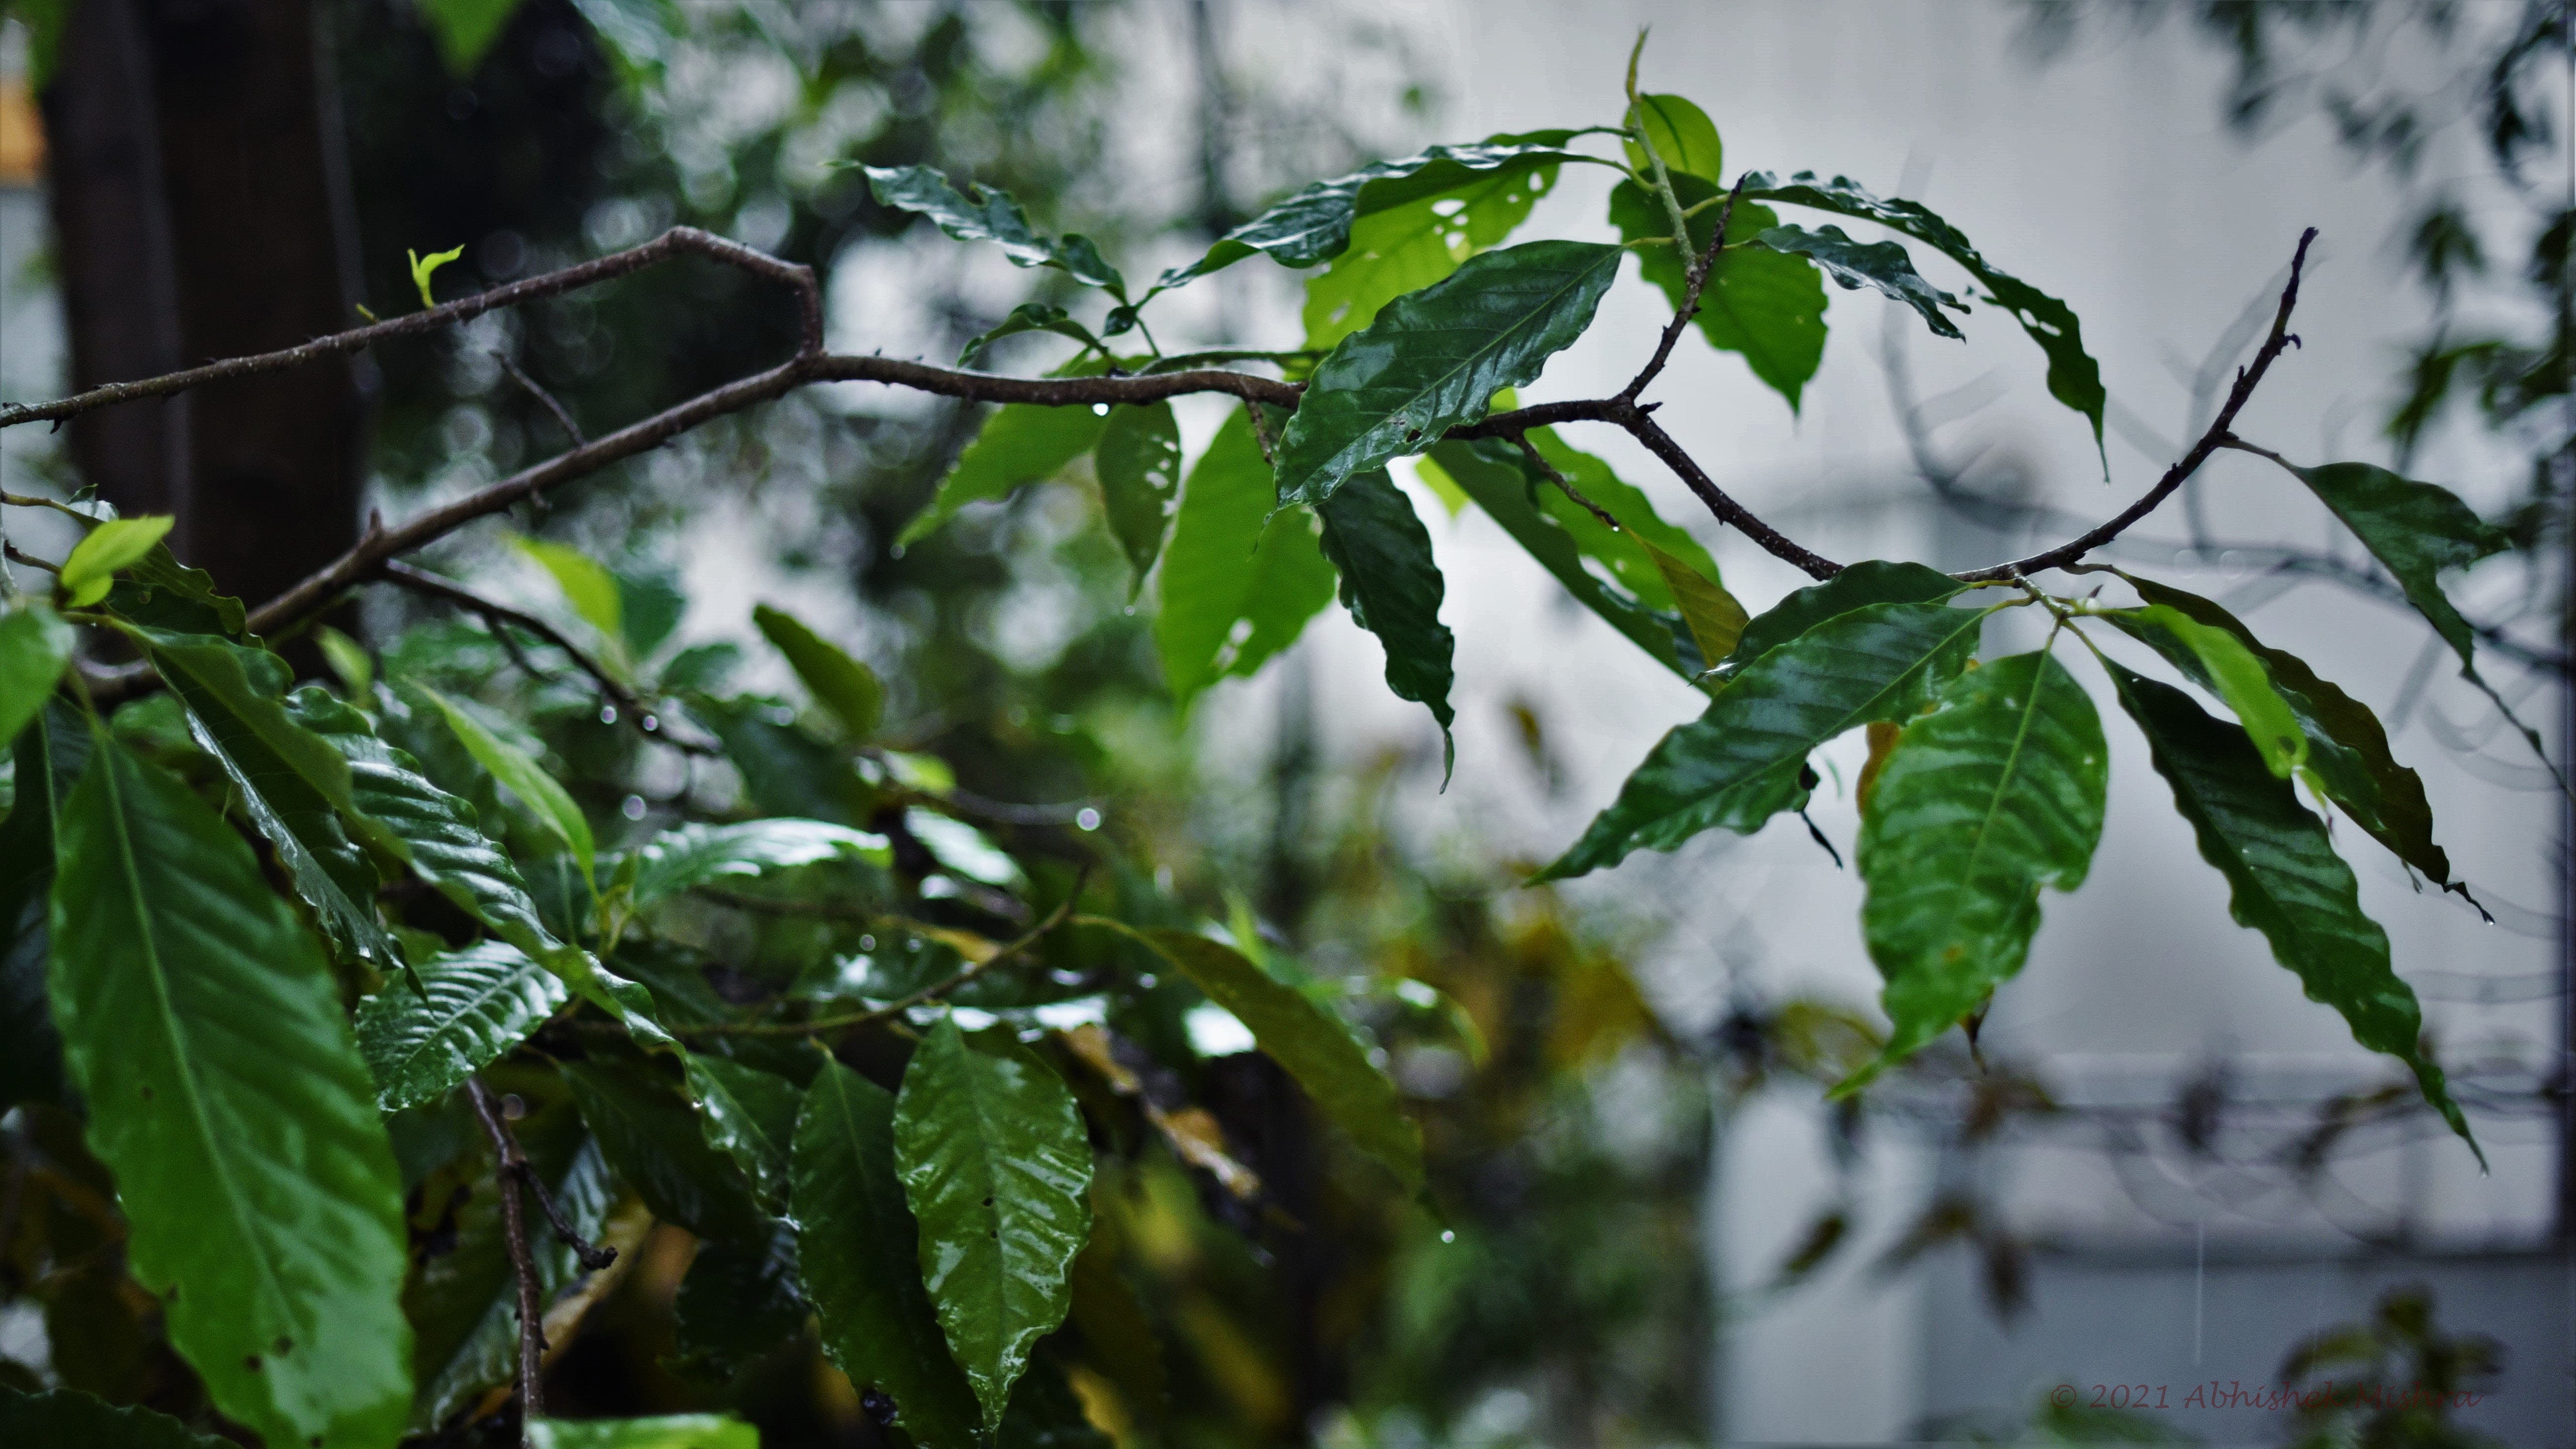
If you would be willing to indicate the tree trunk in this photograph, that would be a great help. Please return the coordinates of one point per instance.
(200, 198)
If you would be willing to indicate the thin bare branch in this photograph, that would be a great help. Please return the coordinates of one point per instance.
(510, 1171)
(501, 618)
(1694, 279)
(2211, 441)
(1564, 484)
(529, 385)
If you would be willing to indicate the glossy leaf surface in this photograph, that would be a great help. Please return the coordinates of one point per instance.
(1407, 248)
(1996, 793)
(1393, 588)
(1871, 581)
(651, 1136)
(997, 1167)
(669, 1431)
(987, 214)
(2348, 754)
(857, 1245)
(2283, 876)
(1315, 224)
(120, 543)
(2221, 662)
(2074, 378)
(2418, 531)
(1027, 317)
(1738, 764)
(750, 1116)
(223, 1087)
(1683, 136)
(1241, 576)
(1434, 359)
(1883, 266)
(1138, 463)
(475, 1004)
(688, 856)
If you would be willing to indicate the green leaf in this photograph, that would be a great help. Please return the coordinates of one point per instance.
(35, 648)
(1021, 443)
(50, 754)
(1434, 360)
(785, 770)
(45, 21)
(838, 682)
(997, 1168)
(204, 1030)
(348, 660)
(525, 778)
(587, 584)
(696, 854)
(159, 592)
(294, 786)
(2283, 877)
(990, 215)
(1315, 224)
(1308, 1041)
(2074, 378)
(671, 1431)
(1241, 575)
(1996, 793)
(1738, 764)
(2417, 531)
(465, 30)
(856, 1244)
(401, 813)
(119, 543)
(1685, 139)
(740, 1301)
(464, 1303)
(2348, 754)
(1392, 588)
(1882, 265)
(1029, 317)
(1407, 248)
(1716, 621)
(1871, 581)
(651, 1136)
(1765, 305)
(475, 1004)
(425, 267)
(2230, 670)
(1138, 462)
(64, 1418)
(1500, 480)
(750, 1116)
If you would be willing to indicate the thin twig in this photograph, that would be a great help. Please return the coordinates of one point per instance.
(895, 1008)
(1694, 279)
(2247, 378)
(501, 618)
(563, 419)
(1564, 484)
(506, 1177)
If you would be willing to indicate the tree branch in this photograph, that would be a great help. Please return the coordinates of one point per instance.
(511, 1169)
(1694, 278)
(500, 617)
(2210, 442)
(527, 384)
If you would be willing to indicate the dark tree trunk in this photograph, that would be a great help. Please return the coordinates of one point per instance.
(201, 200)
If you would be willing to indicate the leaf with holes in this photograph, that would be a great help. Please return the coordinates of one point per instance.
(1241, 576)
(857, 1247)
(2284, 878)
(1739, 763)
(1434, 359)
(996, 1165)
(1996, 793)
(1407, 248)
(204, 1030)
